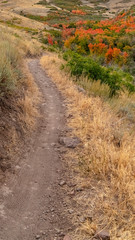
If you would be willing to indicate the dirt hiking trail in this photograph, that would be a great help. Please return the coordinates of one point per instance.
(31, 200)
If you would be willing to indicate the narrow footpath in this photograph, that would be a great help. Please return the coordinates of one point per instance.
(32, 200)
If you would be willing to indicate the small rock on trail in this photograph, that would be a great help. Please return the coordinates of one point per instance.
(103, 235)
(62, 183)
(80, 89)
(69, 142)
(37, 236)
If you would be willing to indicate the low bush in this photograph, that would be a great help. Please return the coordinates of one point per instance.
(117, 80)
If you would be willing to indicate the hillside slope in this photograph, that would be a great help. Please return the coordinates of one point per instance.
(108, 8)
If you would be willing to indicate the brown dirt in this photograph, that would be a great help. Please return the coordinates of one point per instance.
(32, 203)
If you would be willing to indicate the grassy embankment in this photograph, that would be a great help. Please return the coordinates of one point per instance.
(18, 93)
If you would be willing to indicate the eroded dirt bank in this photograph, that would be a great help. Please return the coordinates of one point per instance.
(32, 200)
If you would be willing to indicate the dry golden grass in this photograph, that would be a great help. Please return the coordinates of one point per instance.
(106, 158)
(17, 48)
(94, 88)
(25, 118)
(21, 41)
(12, 12)
(30, 100)
(20, 96)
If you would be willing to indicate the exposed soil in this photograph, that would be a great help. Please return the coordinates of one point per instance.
(32, 201)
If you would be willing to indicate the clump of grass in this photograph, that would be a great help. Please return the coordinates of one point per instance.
(9, 66)
(21, 40)
(107, 155)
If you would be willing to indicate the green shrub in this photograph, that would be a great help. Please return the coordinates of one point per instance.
(117, 80)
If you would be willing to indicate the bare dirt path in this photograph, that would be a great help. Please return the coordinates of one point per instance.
(31, 201)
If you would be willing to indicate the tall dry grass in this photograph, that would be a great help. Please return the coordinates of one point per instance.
(21, 41)
(14, 74)
(19, 94)
(107, 157)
